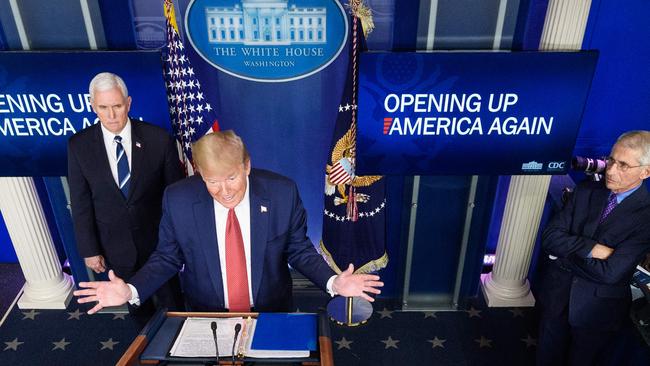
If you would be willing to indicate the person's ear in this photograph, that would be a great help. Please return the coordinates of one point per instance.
(247, 167)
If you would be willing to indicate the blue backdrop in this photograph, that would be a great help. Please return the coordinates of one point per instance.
(464, 113)
(41, 107)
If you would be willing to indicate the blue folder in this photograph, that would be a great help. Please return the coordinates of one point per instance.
(285, 332)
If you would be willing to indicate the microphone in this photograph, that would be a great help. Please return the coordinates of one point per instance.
(214, 335)
(237, 330)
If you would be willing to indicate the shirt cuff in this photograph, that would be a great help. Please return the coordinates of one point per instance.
(329, 286)
(135, 297)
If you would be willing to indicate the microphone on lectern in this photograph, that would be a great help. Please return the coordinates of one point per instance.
(214, 335)
(234, 341)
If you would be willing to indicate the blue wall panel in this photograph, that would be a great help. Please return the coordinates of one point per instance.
(619, 93)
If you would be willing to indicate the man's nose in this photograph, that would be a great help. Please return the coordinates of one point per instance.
(222, 187)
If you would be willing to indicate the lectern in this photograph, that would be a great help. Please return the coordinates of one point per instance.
(152, 345)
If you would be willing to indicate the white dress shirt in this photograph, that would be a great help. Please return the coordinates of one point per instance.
(111, 146)
(243, 212)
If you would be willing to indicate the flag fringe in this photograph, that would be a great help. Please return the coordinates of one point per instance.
(370, 267)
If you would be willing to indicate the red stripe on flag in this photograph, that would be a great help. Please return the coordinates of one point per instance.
(338, 175)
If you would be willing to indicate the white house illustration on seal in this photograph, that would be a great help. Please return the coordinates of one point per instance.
(266, 22)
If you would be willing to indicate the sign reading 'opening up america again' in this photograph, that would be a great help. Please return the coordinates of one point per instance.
(459, 113)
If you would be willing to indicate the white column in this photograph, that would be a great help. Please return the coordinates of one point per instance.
(507, 284)
(46, 287)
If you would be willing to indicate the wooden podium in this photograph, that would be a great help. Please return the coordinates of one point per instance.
(151, 346)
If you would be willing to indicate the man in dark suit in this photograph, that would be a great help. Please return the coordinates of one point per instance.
(593, 246)
(117, 171)
(235, 230)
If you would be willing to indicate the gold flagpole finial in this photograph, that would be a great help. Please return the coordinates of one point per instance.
(170, 14)
(364, 13)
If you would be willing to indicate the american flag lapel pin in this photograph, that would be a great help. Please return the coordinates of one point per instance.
(138, 145)
(263, 209)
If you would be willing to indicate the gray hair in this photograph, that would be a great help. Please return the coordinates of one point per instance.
(106, 81)
(637, 140)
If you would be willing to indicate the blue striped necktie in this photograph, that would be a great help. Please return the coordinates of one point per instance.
(123, 172)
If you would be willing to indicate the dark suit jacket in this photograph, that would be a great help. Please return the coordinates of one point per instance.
(597, 291)
(124, 231)
(278, 235)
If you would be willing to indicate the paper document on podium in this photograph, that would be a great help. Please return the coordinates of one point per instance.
(195, 338)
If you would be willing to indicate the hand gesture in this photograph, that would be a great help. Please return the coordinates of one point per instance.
(349, 284)
(95, 263)
(106, 293)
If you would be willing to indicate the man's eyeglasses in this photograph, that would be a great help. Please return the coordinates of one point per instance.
(622, 166)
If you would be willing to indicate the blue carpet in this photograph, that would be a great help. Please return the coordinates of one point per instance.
(11, 281)
(474, 337)
(477, 336)
(64, 337)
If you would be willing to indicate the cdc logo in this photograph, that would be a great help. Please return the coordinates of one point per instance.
(556, 165)
(267, 40)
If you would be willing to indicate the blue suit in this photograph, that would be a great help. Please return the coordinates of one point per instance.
(278, 237)
(585, 301)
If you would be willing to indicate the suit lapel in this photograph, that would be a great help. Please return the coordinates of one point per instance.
(98, 150)
(260, 211)
(599, 201)
(629, 204)
(137, 153)
(205, 226)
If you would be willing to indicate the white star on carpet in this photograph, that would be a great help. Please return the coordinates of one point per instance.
(516, 312)
(344, 343)
(385, 314)
(437, 342)
(60, 344)
(473, 312)
(75, 314)
(108, 344)
(530, 341)
(119, 316)
(13, 345)
(484, 342)
(390, 343)
(430, 314)
(30, 315)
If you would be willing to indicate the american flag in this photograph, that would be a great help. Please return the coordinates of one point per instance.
(191, 115)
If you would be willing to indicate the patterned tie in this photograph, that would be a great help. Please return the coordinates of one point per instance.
(238, 299)
(611, 203)
(123, 172)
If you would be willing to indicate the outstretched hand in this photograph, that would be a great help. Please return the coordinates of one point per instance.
(114, 292)
(349, 284)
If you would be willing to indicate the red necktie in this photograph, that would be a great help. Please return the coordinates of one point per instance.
(238, 300)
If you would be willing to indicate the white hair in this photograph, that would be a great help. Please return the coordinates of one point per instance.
(106, 81)
(637, 140)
